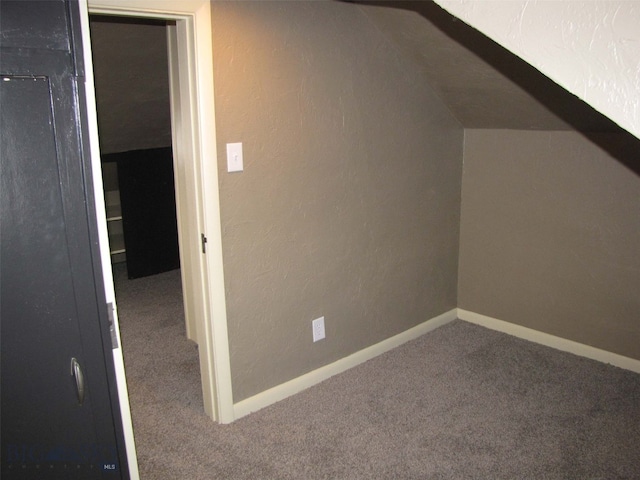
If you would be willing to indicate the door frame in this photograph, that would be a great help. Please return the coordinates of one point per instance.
(197, 192)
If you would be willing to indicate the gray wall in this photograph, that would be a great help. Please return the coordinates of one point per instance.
(550, 234)
(349, 203)
(132, 84)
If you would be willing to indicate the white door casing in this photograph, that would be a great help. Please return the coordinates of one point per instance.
(197, 195)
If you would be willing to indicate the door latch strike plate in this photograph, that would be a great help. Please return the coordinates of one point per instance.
(112, 325)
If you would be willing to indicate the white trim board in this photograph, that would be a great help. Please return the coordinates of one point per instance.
(284, 390)
(550, 340)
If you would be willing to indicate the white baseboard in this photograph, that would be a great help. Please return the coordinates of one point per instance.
(551, 340)
(307, 380)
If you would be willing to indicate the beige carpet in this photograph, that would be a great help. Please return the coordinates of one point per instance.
(461, 402)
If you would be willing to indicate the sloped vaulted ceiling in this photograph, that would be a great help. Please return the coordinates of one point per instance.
(483, 84)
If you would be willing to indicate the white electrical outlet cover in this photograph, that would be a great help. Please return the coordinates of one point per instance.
(318, 329)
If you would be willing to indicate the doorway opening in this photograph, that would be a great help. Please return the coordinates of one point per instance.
(130, 64)
(193, 139)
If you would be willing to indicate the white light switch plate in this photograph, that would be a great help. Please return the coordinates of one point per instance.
(234, 157)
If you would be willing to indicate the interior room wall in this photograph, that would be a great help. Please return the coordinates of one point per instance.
(550, 234)
(348, 206)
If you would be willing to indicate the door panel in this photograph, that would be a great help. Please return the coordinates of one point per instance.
(50, 310)
(42, 421)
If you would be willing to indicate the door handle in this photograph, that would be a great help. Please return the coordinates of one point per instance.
(78, 376)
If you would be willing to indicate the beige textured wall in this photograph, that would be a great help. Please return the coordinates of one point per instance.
(349, 203)
(550, 234)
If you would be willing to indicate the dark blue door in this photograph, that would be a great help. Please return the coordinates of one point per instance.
(60, 415)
